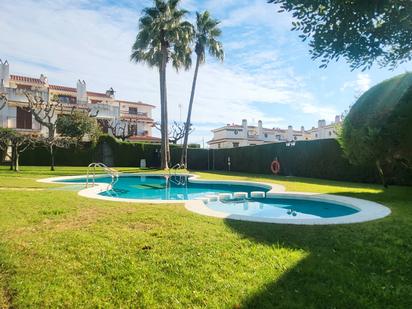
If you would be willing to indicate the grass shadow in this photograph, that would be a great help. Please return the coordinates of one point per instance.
(364, 265)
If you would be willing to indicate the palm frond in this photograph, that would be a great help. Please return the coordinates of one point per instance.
(163, 25)
(206, 35)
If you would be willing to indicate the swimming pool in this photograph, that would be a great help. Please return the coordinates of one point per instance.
(156, 187)
(221, 199)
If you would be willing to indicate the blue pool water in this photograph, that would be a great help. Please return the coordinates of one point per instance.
(178, 188)
(161, 188)
(282, 208)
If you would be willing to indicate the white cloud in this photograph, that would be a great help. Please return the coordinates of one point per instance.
(363, 82)
(360, 85)
(257, 13)
(67, 41)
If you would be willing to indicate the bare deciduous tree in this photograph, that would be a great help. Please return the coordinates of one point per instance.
(3, 100)
(18, 144)
(176, 131)
(45, 112)
(121, 129)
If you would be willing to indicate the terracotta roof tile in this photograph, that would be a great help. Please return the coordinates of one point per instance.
(25, 79)
(138, 103)
(70, 89)
(62, 88)
(32, 80)
(97, 94)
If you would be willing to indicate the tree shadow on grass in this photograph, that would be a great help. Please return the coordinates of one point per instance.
(364, 265)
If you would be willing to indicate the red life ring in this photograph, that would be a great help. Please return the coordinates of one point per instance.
(275, 167)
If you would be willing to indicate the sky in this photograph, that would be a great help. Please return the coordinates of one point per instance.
(267, 73)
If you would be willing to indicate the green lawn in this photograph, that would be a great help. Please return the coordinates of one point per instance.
(61, 250)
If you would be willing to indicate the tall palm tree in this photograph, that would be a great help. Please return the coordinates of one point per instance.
(163, 36)
(206, 35)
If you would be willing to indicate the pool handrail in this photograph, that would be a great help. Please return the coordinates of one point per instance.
(111, 171)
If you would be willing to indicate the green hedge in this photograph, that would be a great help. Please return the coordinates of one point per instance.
(74, 156)
(123, 154)
(318, 159)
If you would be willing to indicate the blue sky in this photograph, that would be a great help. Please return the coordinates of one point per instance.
(267, 73)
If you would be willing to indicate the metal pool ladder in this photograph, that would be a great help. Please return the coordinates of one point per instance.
(180, 180)
(92, 173)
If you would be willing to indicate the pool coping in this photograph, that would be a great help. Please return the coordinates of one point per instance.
(368, 210)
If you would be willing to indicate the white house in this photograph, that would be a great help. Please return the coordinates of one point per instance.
(233, 135)
(104, 104)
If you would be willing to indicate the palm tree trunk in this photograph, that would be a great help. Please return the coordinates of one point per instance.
(166, 121)
(164, 157)
(183, 159)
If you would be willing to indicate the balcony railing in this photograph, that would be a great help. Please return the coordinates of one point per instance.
(17, 95)
(138, 114)
(104, 110)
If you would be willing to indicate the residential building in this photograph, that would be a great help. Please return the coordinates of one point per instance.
(234, 135)
(102, 105)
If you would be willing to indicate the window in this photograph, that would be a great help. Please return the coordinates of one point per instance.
(66, 99)
(235, 145)
(23, 119)
(218, 146)
(316, 135)
(278, 137)
(330, 133)
(236, 132)
(295, 138)
(133, 110)
(266, 135)
(252, 145)
(133, 129)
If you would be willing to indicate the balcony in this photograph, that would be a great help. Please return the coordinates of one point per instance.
(135, 114)
(104, 110)
(17, 95)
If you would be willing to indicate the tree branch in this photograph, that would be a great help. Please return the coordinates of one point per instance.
(3, 100)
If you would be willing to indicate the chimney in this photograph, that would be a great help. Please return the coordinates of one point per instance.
(337, 119)
(260, 129)
(302, 129)
(81, 92)
(44, 79)
(245, 128)
(290, 133)
(110, 93)
(321, 123)
(4, 74)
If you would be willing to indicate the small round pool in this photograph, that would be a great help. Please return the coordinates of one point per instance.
(287, 208)
(206, 197)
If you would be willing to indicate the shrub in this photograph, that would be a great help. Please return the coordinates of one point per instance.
(378, 127)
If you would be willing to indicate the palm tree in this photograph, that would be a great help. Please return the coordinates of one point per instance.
(206, 34)
(163, 36)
